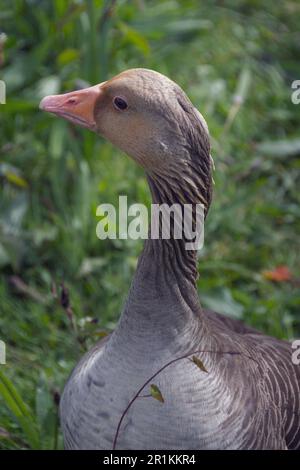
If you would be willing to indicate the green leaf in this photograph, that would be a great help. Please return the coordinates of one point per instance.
(19, 409)
(12, 174)
(101, 334)
(156, 393)
(67, 56)
(135, 38)
(199, 363)
(16, 180)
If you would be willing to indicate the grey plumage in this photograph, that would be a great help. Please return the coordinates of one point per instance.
(249, 396)
(248, 400)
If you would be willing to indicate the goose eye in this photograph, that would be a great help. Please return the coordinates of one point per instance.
(120, 103)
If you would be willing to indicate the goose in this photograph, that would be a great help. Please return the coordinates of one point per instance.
(218, 384)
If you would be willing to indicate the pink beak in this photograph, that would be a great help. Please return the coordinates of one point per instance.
(76, 106)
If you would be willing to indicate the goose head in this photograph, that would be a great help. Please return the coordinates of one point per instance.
(149, 117)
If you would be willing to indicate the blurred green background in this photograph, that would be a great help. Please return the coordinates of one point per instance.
(61, 287)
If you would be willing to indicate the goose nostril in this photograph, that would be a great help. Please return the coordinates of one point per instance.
(71, 101)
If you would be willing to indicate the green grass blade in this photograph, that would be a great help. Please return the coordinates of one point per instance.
(19, 409)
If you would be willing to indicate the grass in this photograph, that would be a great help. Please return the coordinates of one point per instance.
(236, 61)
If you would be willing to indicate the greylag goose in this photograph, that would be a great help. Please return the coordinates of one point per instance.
(218, 384)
